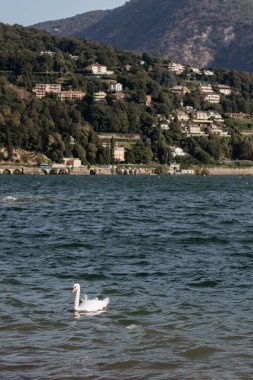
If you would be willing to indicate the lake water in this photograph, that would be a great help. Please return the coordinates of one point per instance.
(173, 254)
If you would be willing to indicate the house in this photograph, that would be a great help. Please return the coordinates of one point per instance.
(119, 153)
(237, 115)
(99, 96)
(47, 52)
(224, 90)
(195, 70)
(74, 162)
(216, 117)
(181, 115)
(42, 89)
(118, 95)
(216, 130)
(180, 90)
(193, 130)
(164, 126)
(72, 95)
(211, 97)
(205, 88)
(174, 168)
(97, 69)
(109, 72)
(187, 172)
(201, 115)
(74, 57)
(177, 152)
(174, 67)
(116, 87)
(208, 73)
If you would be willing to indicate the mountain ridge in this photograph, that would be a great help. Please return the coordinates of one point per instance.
(216, 33)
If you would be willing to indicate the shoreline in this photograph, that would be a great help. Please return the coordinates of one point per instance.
(116, 171)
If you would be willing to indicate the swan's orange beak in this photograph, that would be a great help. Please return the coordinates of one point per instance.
(73, 290)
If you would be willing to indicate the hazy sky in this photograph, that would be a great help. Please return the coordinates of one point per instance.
(28, 12)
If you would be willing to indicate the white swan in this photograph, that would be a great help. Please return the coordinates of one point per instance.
(88, 305)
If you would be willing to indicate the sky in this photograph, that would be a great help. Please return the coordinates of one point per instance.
(28, 12)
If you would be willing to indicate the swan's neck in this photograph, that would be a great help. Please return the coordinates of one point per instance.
(77, 299)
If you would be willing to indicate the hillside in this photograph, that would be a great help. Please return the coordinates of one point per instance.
(215, 33)
(68, 97)
(72, 25)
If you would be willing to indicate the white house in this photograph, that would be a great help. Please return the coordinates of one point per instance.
(211, 97)
(74, 162)
(181, 115)
(97, 69)
(72, 95)
(100, 96)
(208, 73)
(205, 88)
(201, 115)
(194, 130)
(195, 70)
(176, 68)
(215, 130)
(224, 90)
(116, 87)
(119, 153)
(177, 152)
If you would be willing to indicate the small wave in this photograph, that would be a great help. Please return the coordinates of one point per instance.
(198, 352)
(132, 327)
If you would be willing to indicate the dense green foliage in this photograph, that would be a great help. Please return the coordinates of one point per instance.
(64, 129)
(206, 32)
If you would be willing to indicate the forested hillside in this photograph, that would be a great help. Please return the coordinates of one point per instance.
(204, 33)
(158, 104)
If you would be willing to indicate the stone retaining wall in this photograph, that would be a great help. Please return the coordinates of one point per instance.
(231, 171)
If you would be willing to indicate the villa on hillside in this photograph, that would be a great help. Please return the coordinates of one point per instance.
(193, 130)
(42, 89)
(181, 115)
(224, 90)
(98, 69)
(237, 115)
(180, 90)
(216, 130)
(177, 152)
(211, 97)
(72, 95)
(174, 67)
(116, 87)
(119, 153)
(205, 88)
(99, 96)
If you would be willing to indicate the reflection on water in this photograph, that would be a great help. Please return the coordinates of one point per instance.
(173, 254)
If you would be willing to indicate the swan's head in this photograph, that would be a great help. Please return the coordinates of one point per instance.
(76, 287)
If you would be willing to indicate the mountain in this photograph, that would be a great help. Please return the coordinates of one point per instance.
(72, 25)
(216, 33)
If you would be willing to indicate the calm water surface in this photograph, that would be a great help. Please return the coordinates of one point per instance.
(174, 254)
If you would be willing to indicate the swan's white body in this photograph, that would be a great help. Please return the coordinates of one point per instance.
(88, 305)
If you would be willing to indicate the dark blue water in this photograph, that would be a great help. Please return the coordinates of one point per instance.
(173, 254)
